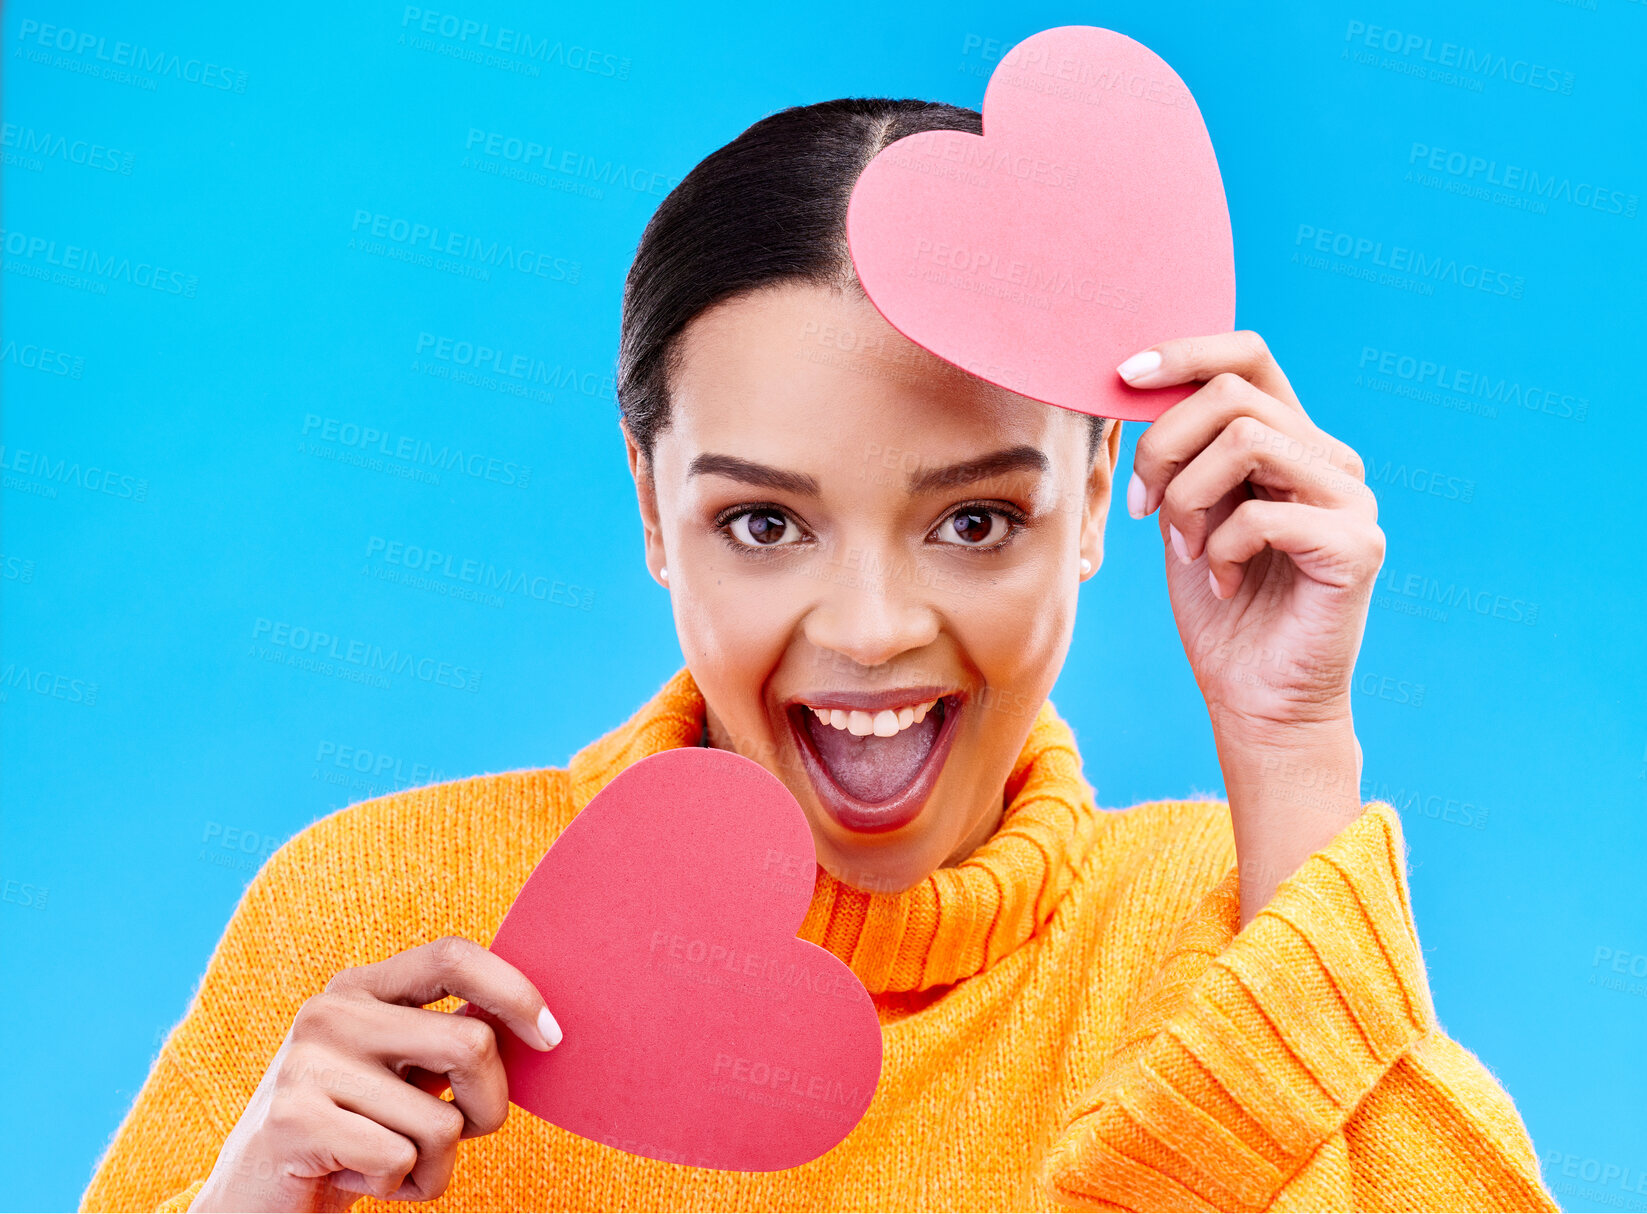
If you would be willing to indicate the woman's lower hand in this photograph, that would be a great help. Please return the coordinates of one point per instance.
(351, 1103)
(1272, 549)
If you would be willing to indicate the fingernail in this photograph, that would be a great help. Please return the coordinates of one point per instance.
(1135, 497)
(1216, 593)
(549, 1029)
(1178, 545)
(1140, 366)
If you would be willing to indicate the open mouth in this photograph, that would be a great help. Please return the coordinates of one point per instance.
(873, 759)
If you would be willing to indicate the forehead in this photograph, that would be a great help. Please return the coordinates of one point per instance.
(806, 376)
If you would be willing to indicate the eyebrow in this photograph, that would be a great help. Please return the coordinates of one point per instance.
(1011, 459)
(751, 473)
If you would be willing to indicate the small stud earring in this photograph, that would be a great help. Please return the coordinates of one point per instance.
(663, 574)
(1086, 567)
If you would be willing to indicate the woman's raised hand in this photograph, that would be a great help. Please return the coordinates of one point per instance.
(351, 1103)
(1272, 550)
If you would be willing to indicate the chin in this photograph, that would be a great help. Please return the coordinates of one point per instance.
(881, 869)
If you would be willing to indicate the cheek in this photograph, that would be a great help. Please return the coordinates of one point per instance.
(1017, 634)
(729, 622)
(734, 627)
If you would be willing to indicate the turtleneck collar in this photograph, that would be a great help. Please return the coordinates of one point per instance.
(961, 919)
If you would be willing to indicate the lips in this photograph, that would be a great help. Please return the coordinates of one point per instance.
(876, 781)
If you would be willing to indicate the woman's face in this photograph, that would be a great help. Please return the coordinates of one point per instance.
(873, 560)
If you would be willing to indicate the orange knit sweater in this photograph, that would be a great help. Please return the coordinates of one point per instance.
(1070, 1016)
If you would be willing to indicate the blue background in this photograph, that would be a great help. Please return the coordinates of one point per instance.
(135, 813)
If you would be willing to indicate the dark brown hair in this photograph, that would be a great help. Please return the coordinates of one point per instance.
(770, 206)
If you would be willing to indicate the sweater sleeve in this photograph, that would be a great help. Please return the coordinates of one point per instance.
(1296, 1064)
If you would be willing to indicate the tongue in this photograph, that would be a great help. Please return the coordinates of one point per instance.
(874, 769)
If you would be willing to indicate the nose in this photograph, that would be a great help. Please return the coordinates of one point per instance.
(874, 613)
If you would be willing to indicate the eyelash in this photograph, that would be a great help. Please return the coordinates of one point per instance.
(1011, 513)
(725, 519)
(1016, 517)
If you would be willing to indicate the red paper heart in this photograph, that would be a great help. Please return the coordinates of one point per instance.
(660, 929)
(1087, 223)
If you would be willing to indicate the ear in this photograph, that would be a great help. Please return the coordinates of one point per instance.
(1100, 492)
(646, 497)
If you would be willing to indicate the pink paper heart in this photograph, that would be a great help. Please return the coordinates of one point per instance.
(660, 929)
(1085, 224)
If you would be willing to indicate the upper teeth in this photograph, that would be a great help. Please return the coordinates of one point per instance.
(882, 724)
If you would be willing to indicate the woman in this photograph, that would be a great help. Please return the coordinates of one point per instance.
(874, 561)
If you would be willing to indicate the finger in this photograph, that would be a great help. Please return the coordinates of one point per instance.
(455, 966)
(435, 1126)
(462, 1050)
(1186, 359)
(1249, 451)
(1328, 546)
(1184, 431)
(357, 1155)
(344, 1033)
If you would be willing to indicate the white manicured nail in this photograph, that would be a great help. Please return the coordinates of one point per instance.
(1178, 544)
(1136, 494)
(1216, 593)
(548, 1027)
(1140, 366)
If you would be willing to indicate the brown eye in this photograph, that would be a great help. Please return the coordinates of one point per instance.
(974, 527)
(764, 528)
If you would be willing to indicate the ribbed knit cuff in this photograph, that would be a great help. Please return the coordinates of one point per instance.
(180, 1203)
(1258, 1045)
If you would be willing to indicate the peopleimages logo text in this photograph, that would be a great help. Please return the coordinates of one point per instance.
(1404, 260)
(365, 655)
(112, 268)
(445, 457)
(91, 477)
(1474, 383)
(42, 358)
(29, 142)
(1468, 59)
(127, 54)
(508, 41)
(499, 361)
(431, 238)
(1549, 187)
(530, 153)
(482, 575)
